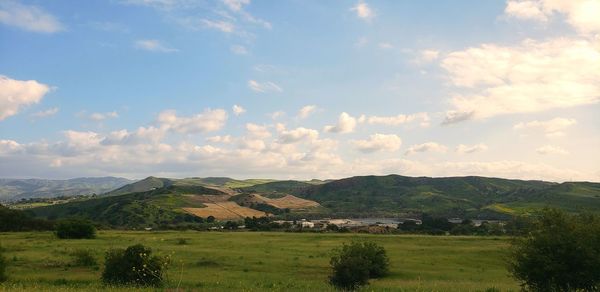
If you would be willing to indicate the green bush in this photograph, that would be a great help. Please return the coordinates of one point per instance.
(84, 258)
(3, 264)
(134, 266)
(561, 253)
(354, 264)
(75, 229)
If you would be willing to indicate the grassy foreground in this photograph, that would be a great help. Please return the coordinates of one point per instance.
(252, 261)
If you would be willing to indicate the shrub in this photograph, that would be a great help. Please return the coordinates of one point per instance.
(3, 263)
(134, 266)
(75, 229)
(354, 264)
(84, 258)
(561, 253)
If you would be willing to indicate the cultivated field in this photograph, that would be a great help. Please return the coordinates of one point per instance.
(288, 201)
(253, 261)
(224, 211)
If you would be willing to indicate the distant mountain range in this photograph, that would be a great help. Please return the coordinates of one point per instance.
(154, 201)
(16, 189)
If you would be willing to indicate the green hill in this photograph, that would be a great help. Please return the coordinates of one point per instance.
(153, 208)
(453, 196)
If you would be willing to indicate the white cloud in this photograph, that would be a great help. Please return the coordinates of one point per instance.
(207, 121)
(379, 142)
(28, 17)
(154, 46)
(426, 147)
(97, 117)
(549, 149)
(236, 5)
(385, 46)
(400, 119)
(226, 139)
(298, 134)
(468, 149)
(276, 115)
(551, 128)
(306, 111)
(580, 14)
(346, 124)
(427, 56)
(363, 11)
(526, 10)
(15, 94)
(238, 50)
(140, 136)
(533, 76)
(221, 25)
(257, 131)
(267, 86)
(238, 110)
(45, 113)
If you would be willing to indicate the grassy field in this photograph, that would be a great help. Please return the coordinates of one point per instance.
(252, 261)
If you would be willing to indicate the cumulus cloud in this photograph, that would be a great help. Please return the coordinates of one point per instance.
(426, 147)
(422, 118)
(549, 149)
(264, 87)
(531, 77)
(298, 134)
(226, 139)
(28, 17)
(468, 149)
(154, 46)
(45, 113)
(551, 128)
(378, 142)
(276, 115)
(208, 121)
(385, 46)
(16, 94)
(238, 110)
(363, 11)
(236, 5)
(580, 14)
(306, 111)
(221, 25)
(257, 131)
(346, 124)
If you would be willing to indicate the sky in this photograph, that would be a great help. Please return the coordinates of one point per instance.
(300, 89)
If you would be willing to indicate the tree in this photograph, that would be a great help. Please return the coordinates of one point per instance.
(210, 219)
(561, 253)
(75, 229)
(134, 266)
(354, 264)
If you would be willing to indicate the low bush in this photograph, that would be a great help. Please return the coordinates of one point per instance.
(134, 266)
(75, 229)
(84, 258)
(354, 264)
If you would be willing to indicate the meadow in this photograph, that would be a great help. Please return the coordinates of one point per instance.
(255, 261)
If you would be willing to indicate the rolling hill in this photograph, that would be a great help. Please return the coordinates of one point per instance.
(16, 189)
(153, 201)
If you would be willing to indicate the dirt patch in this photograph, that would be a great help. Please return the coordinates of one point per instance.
(225, 210)
(288, 201)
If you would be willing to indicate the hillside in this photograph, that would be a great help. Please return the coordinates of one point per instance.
(452, 196)
(160, 206)
(16, 189)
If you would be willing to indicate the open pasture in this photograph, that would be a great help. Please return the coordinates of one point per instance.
(254, 261)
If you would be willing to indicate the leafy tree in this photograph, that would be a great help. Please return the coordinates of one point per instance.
(354, 264)
(231, 225)
(18, 220)
(561, 253)
(134, 266)
(210, 219)
(75, 229)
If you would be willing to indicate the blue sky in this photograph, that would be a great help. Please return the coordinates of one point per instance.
(300, 89)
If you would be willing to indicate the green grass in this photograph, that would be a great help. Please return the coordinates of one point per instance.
(249, 261)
